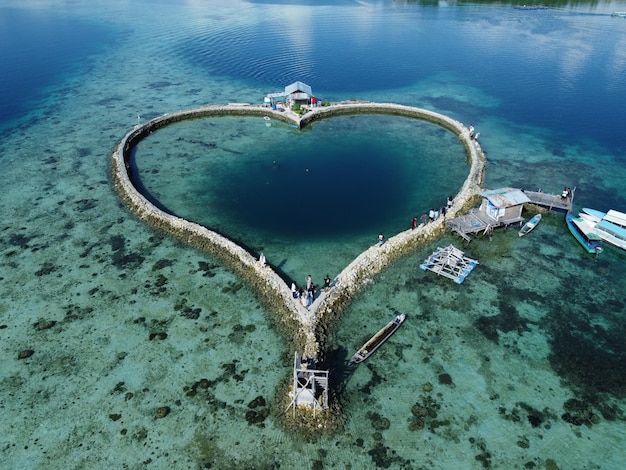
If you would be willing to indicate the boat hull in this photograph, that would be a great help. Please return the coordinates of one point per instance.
(610, 226)
(587, 239)
(377, 340)
(530, 225)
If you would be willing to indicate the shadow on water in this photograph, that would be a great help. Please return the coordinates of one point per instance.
(336, 362)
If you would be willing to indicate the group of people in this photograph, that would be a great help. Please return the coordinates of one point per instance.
(472, 135)
(307, 296)
(304, 296)
(565, 194)
(433, 214)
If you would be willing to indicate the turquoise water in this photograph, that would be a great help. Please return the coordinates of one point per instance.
(103, 320)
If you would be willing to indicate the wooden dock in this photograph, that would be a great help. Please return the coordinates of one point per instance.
(552, 202)
(476, 222)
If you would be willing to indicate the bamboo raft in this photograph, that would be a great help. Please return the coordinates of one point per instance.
(449, 262)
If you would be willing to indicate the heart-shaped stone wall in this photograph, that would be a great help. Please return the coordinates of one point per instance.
(307, 325)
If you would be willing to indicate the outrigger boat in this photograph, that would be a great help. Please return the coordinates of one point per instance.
(377, 340)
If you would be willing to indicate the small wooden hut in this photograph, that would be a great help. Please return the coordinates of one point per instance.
(504, 205)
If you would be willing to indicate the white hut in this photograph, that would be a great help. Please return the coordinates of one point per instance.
(298, 92)
(504, 205)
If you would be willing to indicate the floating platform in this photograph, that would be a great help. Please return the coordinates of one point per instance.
(449, 262)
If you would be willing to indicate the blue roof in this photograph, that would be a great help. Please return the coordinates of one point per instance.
(298, 87)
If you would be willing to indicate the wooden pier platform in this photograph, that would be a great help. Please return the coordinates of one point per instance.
(552, 202)
(477, 222)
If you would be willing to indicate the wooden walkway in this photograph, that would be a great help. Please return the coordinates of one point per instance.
(477, 222)
(552, 202)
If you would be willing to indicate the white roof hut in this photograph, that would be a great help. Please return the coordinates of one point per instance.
(504, 205)
(298, 92)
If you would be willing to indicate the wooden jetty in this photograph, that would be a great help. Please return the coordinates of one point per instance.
(503, 207)
(475, 222)
(552, 202)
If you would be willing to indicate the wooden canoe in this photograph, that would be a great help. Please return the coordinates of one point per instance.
(377, 340)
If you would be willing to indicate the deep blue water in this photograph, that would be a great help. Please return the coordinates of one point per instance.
(38, 50)
(534, 335)
(550, 68)
(345, 176)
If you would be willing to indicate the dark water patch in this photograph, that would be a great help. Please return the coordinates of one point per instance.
(191, 313)
(341, 177)
(83, 152)
(125, 261)
(240, 332)
(315, 195)
(160, 85)
(109, 100)
(46, 269)
(507, 320)
(86, 204)
(20, 240)
(117, 242)
(589, 359)
(162, 263)
(384, 457)
(373, 381)
(157, 335)
(378, 422)
(579, 412)
(207, 269)
(76, 312)
(445, 379)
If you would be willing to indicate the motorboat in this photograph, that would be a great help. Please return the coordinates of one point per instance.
(582, 230)
(610, 226)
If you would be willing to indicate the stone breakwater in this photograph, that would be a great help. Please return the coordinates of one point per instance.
(307, 325)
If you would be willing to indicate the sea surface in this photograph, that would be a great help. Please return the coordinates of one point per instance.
(125, 348)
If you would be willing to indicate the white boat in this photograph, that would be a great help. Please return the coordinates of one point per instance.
(377, 340)
(531, 224)
(582, 230)
(610, 226)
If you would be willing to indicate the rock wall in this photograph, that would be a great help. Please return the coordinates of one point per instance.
(306, 326)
